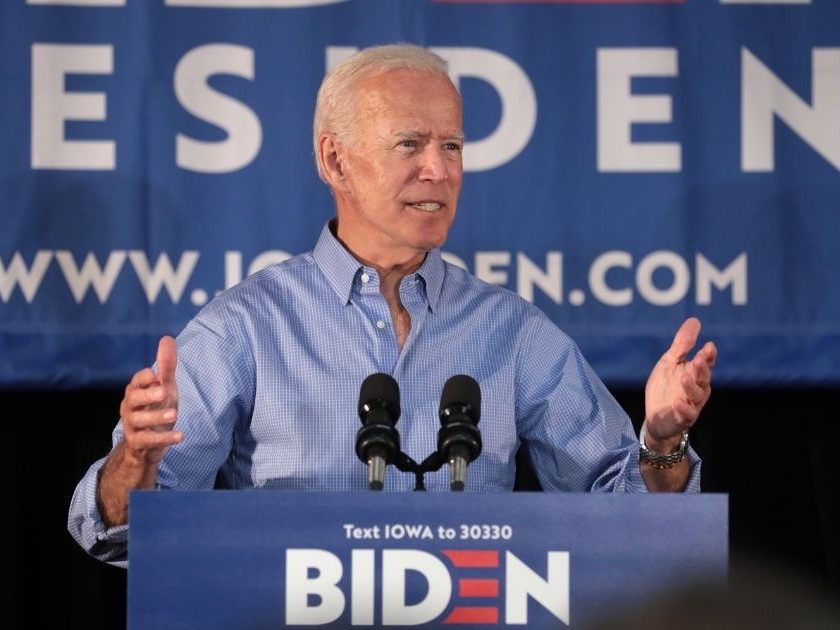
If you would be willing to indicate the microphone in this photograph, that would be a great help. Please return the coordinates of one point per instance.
(378, 441)
(459, 440)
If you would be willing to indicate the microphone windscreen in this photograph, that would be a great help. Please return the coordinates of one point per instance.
(379, 390)
(462, 391)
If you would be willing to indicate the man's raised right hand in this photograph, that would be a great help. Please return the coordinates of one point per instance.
(149, 408)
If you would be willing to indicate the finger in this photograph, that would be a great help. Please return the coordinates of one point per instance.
(702, 364)
(699, 370)
(694, 392)
(140, 398)
(710, 353)
(143, 378)
(140, 382)
(157, 419)
(684, 339)
(167, 358)
(147, 440)
(685, 415)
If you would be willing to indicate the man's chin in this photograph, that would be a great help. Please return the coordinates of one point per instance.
(428, 243)
(433, 237)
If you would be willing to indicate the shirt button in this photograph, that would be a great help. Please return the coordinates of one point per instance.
(365, 278)
(380, 324)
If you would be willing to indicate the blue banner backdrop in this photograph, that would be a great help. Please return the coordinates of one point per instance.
(628, 164)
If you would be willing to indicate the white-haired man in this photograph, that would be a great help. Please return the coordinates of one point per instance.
(263, 387)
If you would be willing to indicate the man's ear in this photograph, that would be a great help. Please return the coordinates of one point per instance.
(331, 159)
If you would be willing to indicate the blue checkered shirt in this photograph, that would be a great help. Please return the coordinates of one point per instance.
(269, 375)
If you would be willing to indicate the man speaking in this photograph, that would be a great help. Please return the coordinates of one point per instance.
(260, 389)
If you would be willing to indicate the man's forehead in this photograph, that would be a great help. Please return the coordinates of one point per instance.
(409, 113)
(395, 86)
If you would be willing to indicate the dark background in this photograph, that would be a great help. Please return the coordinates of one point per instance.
(772, 450)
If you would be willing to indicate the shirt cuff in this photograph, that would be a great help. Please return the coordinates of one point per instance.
(85, 523)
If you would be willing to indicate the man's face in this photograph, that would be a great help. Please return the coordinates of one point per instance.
(403, 170)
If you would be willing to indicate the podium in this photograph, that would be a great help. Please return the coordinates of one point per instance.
(265, 559)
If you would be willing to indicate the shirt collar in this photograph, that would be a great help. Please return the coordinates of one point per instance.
(431, 271)
(340, 268)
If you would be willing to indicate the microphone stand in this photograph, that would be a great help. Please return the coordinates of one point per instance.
(404, 463)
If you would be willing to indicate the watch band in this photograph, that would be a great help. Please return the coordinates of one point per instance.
(658, 460)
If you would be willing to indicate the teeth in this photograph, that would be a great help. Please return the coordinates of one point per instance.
(427, 206)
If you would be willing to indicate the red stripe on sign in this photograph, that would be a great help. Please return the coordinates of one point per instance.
(478, 588)
(561, 1)
(482, 559)
(464, 614)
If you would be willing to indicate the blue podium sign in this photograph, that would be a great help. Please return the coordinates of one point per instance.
(260, 559)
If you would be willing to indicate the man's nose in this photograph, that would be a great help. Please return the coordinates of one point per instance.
(433, 165)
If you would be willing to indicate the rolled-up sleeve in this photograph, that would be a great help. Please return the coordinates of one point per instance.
(577, 435)
(85, 524)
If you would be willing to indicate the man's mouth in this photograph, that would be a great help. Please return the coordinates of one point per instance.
(426, 206)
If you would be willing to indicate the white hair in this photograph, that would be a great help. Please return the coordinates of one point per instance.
(335, 107)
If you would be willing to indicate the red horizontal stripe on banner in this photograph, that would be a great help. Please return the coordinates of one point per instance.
(464, 614)
(478, 588)
(484, 559)
(561, 1)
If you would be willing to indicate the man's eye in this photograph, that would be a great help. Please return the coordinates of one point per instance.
(409, 144)
(452, 146)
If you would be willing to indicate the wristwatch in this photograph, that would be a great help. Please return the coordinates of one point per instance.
(658, 460)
